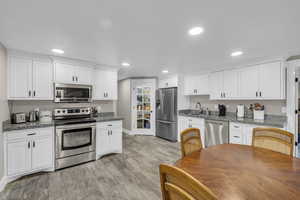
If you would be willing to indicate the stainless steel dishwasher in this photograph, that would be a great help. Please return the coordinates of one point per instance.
(216, 132)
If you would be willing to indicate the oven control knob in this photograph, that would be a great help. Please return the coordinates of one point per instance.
(87, 111)
(63, 111)
(58, 111)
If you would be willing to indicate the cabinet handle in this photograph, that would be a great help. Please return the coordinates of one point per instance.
(256, 94)
(224, 94)
(73, 78)
(109, 125)
(34, 93)
(236, 136)
(28, 145)
(108, 132)
(29, 93)
(33, 144)
(236, 126)
(260, 94)
(76, 78)
(31, 134)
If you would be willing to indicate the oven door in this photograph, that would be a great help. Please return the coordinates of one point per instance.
(75, 139)
(68, 93)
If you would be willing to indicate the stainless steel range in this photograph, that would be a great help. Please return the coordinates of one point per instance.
(75, 136)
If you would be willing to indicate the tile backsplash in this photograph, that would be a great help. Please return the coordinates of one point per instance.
(26, 106)
(272, 107)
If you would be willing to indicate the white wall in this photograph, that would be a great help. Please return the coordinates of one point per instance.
(124, 102)
(272, 107)
(4, 114)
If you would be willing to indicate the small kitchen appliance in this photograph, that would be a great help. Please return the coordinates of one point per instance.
(45, 116)
(240, 111)
(222, 110)
(17, 118)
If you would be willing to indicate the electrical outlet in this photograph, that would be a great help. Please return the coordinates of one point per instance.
(283, 109)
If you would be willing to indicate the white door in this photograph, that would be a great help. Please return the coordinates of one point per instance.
(42, 80)
(42, 152)
(230, 84)
(18, 156)
(249, 82)
(20, 78)
(64, 73)
(102, 141)
(116, 139)
(106, 85)
(143, 101)
(216, 85)
(270, 80)
(83, 75)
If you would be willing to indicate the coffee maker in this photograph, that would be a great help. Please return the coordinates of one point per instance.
(222, 110)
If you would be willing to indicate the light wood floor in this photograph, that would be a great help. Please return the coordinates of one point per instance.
(132, 175)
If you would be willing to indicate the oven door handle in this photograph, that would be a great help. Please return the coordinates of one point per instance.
(77, 147)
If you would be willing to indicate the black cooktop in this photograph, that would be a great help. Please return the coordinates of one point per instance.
(60, 122)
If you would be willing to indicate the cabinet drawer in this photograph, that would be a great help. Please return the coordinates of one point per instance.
(110, 124)
(19, 134)
(236, 133)
(192, 120)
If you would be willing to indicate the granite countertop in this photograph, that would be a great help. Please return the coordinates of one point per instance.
(270, 120)
(8, 126)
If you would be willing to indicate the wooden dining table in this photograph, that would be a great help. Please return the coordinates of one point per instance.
(235, 172)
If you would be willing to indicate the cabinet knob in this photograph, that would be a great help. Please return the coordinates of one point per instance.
(28, 145)
(76, 78)
(33, 144)
(29, 93)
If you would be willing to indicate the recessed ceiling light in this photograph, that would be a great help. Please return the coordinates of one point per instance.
(59, 51)
(125, 64)
(237, 53)
(165, 71)
(196, 31)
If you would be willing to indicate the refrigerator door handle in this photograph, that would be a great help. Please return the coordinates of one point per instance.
(166, 122)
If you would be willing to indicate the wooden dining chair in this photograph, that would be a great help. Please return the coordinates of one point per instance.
(190, 141)
(176, 184)
(274, 139)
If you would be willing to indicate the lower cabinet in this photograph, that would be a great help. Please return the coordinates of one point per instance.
(191, 122)
(242, 133)
(29, 151)
(108, 138)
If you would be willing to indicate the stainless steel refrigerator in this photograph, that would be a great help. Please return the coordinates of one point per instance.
(166, 113)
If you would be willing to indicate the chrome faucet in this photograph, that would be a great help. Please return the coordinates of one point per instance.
(198, 106)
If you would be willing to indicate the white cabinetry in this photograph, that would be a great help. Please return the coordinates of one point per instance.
(72, 74)
(28, 151)
(240, 133)
(190, 122)
(223, 84)
(249, 82)
(168, 82)
(29, 79)
(105, 85)
(196, 85)
(108, 138)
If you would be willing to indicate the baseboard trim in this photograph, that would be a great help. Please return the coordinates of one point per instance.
(128, 132)
(3, 183)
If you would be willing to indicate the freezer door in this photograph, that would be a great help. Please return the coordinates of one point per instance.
(166, 130)
(166, 104)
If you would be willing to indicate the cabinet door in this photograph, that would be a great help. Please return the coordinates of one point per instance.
(42, 80)
(230, 84)
(182, 125)
(64, 73)
(20, 78)
(200, 126)
(116, 140)
(18, 157)
(270, 81)
(216, 85)
(202, 85)
(196, 85)
(105, 85)
(190, 85)
(42, 152)
(249, 82)
(102, 142)
(83, 75)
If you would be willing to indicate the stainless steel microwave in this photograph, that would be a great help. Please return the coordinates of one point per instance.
(72, 93)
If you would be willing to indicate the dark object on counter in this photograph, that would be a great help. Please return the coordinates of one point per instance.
(222, 110)
(33, 116)
(18, 118)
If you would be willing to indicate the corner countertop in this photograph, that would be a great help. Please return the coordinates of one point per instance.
(8, 126)
(270, 120)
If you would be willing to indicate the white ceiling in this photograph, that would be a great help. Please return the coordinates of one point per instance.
(152, 34)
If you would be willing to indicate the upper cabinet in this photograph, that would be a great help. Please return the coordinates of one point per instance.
(223, 84)
(196, 85)
(265, 81)
(29, 78)
(105, 85)
(168, 82)
(68, 73)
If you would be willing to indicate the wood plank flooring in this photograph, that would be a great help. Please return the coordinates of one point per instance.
(132, 175)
